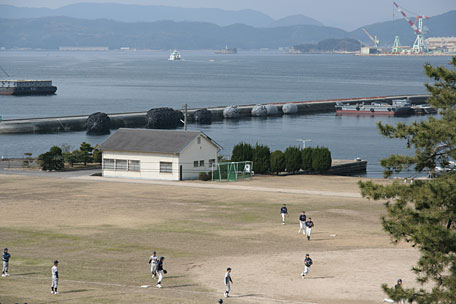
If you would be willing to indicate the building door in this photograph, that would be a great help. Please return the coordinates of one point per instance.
(180, 172)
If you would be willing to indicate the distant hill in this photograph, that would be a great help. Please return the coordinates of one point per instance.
(142, 13)
(53, 32)
(441, 25)
(329, 45)
(295, 20)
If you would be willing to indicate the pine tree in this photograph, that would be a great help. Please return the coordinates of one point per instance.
(424, 213)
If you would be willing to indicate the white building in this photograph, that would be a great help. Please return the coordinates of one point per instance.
(158, 154)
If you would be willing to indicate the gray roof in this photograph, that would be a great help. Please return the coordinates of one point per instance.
(151, 140)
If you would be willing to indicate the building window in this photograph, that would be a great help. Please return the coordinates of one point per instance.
(195, 163)
(121, 165)
(166, 167)
(201, 163)
(108, 164)
(198, 140)
(211, 162)
(133, 165)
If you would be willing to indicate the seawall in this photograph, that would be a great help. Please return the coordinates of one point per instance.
(138, 119)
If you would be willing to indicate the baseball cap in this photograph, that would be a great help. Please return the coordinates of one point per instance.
(229, 268)
(5, 249)
(155, 251)
(56, 262)
(220, 301)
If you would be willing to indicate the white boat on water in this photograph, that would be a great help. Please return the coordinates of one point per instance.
(175, 55)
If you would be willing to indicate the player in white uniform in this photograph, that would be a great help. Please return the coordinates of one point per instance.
(153, 261)
(309, 225)
(5, 259)
(284, 213)
(228, 282)
(302, 222)
(55, 278)
(307, 263)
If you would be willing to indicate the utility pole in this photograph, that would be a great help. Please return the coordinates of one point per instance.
(304, 142)
(185, 117)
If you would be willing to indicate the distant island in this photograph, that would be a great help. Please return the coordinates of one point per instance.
(345, 45)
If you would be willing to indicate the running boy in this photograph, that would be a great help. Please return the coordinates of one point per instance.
(160, 271)
(55, 278)
(5, 258)
(309, 225)
(153, 261)
(228, 282)
(302, 222)
(284, 213)
(307, 263)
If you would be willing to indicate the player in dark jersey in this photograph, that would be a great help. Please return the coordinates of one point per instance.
(302, 222)
(284, 213)
(309, 225)
(307, 263)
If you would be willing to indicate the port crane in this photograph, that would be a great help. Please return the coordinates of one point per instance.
(374, 40)
(419, 46)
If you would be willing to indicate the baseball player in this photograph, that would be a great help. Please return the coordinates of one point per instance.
(307, 263)
(309, 225)
(302, 222)
(284, 213)
(55, 278)
(397, 287)
(228, 282)
(5, 258)
(160, 271)
(153, 261)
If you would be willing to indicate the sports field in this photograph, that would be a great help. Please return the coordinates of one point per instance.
(103, 233)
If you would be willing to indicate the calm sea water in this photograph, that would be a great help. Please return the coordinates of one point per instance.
(114, 82)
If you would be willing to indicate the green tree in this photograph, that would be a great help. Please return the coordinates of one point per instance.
(321, 159)
(292, 159)
(87, 149)
(306, 158)
(277, 162)
(261, 159)
(242, 152)
(52, 160)
(423, 213)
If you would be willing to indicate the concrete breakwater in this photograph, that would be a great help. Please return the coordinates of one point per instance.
(138, 119)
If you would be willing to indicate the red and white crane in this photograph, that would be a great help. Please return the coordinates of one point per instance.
(374, 40)
(420, 45)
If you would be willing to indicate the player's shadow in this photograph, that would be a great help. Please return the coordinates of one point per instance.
(315, 278)
(174, 277)
(247, 295)
(178, 286)
(75, 291)
(25, 274)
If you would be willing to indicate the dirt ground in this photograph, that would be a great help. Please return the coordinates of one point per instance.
(103, 232)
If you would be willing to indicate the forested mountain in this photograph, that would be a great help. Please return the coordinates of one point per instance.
(150, 13)
(53, 32)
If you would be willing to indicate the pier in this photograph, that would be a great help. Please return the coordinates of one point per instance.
(137, 119)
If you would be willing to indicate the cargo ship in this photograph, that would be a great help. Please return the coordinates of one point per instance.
(399, 107)
(227, 50)
(27, 87)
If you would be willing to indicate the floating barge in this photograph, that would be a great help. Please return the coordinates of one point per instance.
(27, 87)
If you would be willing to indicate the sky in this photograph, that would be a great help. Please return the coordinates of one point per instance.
(346, 14)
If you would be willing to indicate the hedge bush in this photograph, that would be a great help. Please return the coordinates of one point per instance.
(52, 160)
(306, 159)
(261, 159)
(242, 152)
(292, 159)
(321, 159)
(277, 162)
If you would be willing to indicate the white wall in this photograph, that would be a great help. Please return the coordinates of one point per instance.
(196, 152)
(149, 165)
